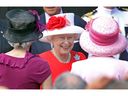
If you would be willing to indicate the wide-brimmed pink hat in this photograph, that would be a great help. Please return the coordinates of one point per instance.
(61, 24)
(103, 37)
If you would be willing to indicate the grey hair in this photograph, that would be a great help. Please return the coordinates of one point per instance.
(117, 84)
(23, 45)
(69, 80)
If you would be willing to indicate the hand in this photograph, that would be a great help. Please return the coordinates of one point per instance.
(126, 77)
(100, 83)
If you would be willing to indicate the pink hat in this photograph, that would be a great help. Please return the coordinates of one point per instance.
(102, 37)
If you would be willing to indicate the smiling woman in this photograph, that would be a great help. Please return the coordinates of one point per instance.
(62, 46)
(61, 34)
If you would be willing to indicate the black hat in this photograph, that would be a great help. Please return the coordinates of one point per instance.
(22, 26)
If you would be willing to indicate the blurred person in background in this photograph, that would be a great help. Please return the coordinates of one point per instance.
(117, 84)
(4, 45)
(68, 80)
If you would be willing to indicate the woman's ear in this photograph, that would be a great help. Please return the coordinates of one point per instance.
(49, 38)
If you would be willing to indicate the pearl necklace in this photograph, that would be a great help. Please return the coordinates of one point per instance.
(62, 61)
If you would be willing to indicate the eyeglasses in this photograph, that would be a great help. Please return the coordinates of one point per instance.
(65, 38)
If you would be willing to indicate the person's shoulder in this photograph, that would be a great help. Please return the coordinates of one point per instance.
(42, 18)
(81, 54)
(122, 12)
(35, 63)
(78, 64)
(79, 21)
(75, 52)
(123, 9)
(89, 15)
(43, 14)
(35, 58)
(45, 53)
(123, 62)
(47, 56)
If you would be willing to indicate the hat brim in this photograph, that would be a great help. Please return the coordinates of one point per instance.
(97, 50)
(18, 38)
(66, 30)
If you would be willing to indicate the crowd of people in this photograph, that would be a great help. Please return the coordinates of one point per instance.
(59, 50)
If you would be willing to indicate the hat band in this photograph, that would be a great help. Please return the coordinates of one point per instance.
(103, 39)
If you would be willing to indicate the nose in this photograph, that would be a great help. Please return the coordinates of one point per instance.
(66, 41)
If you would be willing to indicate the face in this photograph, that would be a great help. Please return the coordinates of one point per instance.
(63, 43)
(52, 10)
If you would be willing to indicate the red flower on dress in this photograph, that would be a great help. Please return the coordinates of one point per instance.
(56, 23)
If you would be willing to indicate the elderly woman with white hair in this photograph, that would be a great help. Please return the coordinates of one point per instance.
(61, 33)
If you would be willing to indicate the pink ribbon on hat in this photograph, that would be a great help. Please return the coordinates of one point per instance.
(40, 26)
(35, 13)
(102, 39)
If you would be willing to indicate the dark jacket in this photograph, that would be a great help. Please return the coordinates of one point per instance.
(4, 46)
(124, 55)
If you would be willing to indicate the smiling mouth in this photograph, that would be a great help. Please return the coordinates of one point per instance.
(65, 47)
(68, 48)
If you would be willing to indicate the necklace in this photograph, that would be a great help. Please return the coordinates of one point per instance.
(60, 59)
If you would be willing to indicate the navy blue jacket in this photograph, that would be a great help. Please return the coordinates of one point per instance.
(124, 55)
(4, 46)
